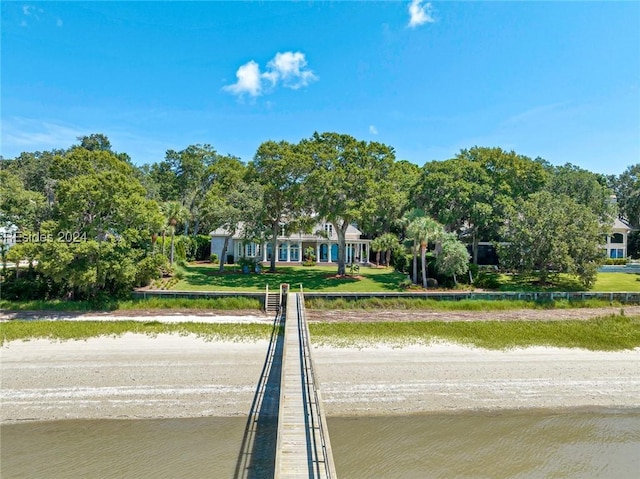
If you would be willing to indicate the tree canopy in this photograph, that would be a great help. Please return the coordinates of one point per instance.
(97, 215)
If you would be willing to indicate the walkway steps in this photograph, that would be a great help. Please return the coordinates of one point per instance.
(303, 448)
(272, 302)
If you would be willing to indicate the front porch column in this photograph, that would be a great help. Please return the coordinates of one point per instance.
(317, 252)
(329, 247)
(288, 252)
(300, 252)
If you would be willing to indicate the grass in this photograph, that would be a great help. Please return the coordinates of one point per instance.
(205, 277)
(199, 304)
(438, 305)
(81, 330)
(611, 333)
(610, 282)
(605, 283)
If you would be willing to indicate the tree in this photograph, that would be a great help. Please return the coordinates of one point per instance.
(453, 258)
(232, 204)
(549, 234)
(19, 206)
(345, 185)
(627, 190)
(397, 189)
(404, 223)
(471, 193)
(377, 246)
(421, 230)
(102, 226)
(183, 176)
(389, 243)
(174, 213)
(585, 188)
(95, 142)
(281, 170)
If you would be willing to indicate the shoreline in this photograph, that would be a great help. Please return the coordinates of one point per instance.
(171, 376)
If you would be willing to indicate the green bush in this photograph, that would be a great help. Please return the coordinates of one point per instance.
(616, 261)
(214, 258)
(487, 280)
(201, 248)
(150, 268)
(183, 247)
(29, 285)
(401, 261)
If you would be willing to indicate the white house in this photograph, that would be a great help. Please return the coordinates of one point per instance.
(8, 236)
(291, 248)
(617, 242)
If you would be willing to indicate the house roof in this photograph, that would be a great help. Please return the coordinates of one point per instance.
(351, 233)
(621, 224)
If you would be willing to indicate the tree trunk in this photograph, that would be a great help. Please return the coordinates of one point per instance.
(475, 247)
(196, 227)
(172, 252)
(341, 230)
(378, 258)
(423, 256)
(223, 254)
(274, 246)
(415, 263)
(387, 257)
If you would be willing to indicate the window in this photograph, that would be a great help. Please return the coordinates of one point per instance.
(250, 250)
(617, 238)
(328, 228)
(616, 253)
(294, 252)
(282, 252)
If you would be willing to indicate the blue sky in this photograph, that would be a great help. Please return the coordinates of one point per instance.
(559, 80)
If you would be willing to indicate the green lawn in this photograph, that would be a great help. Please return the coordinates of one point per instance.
(605, 283)
(205, 277)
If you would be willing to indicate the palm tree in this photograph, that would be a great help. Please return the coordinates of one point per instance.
(174, 213)
(421, 230)
(404, 223)
(389, 243)
(377, 246)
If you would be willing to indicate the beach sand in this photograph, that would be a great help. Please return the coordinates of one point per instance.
(135, 376)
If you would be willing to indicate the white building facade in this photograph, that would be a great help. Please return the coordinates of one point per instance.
(293, 248)
(617, 241)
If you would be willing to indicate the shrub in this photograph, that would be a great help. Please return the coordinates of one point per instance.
(150, 268)
(249, 263)
(487, 280)
(616, 261)
(201, 248)
(214, 258)
(432, 283)
(401, 261)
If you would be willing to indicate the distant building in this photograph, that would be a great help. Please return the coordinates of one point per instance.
(291, 248)
(616, 244)
(8, 236)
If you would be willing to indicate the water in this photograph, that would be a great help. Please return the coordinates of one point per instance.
(533, 444)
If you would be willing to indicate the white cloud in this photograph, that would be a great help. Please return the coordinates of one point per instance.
(420, 14)
(373, 130)
(288, 69)
(249, 80)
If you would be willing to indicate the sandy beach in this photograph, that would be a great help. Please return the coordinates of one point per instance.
(136, 376)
